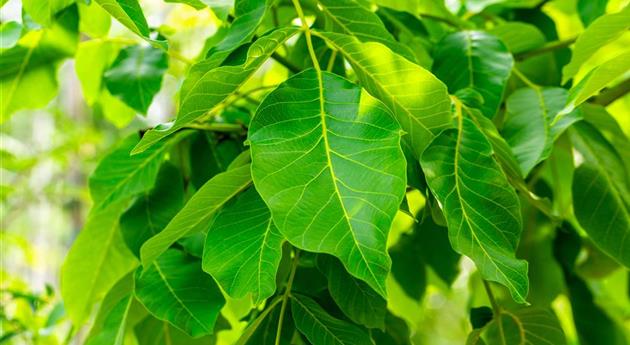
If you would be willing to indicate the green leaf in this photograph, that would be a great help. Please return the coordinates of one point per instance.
(481, 208)
(602, 31)
(358, 301)
(418, 100)
(43, 11)
(95, 21)
(175, 289)
(10, 33)
(128, 13)
(263, 330)
(589, 10)
(535, 326)
(326, 159)
(353, 19)
(196, 4)
(223, 81)
(245, 261)
(597, 79)
(99, 256)
(136, 75)
(533, 123)
(408, 266)
(519, 37)
(396, 332)
(120, 176)
(90, 62)
(198, 211)
(152, 211)
(602, 212)
(109, 326)
(475, 60)
(322, 329)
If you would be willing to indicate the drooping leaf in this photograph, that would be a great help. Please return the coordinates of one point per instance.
(30, 67)
(109, 326)
(597, 79)
(99, 256)
(602, 212)
(533, 123)
(120, 175)
(153, 209)
(326, 158)
(481, 208)
(589, 10)
(602, 31)
(535, 326)
(322, 329)
(208, 86)
(136, 75)
(475, 60)
(418, 100)
(129, 13)
(175, 289)
(90, 62)
(198, 211)
(357, 300)
(355, 20)
(243, 248)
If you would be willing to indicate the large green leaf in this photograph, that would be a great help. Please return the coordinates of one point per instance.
(418, 100)
(354, 297)
(136, 75)
(128, 13)
(326, 158)
(120, 175)
(533, 123)
(109, 325)
(597, 79)
(602, 31)
(475, 60)
(322, 329)
(481, 208)
(175, 289)
(602, 212)
(353, 19)
(246, 260)
(535, 326)
(207, 86)
(153, 209)
(198, 211)
(99, 256)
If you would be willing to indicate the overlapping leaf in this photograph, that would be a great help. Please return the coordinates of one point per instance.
(207, 87)
(534, 122)
(481, 208)
(128, 13)
(175, 289)
(418, 100)
(243, 248)
(535, 326)
(322, 329)
(198, 211)
(109, 325)
(326, 159)
(602, 31)
(474, 60)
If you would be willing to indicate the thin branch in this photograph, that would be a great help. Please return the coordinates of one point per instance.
(216, 127)
(287, 293)
(612, 94)
(552, 46)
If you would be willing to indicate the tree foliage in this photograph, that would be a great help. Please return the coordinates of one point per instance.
(323, 155)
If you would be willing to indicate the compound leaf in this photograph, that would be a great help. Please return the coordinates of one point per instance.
(326, 159)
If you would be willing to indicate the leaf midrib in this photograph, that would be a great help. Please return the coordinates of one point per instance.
(314, 317)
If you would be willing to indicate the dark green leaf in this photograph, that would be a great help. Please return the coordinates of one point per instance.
(589, 10)
(244, 261)
(326, 158)
(136, 75)
(476, 60)
(481, 208)
(152, 211)
(175, 289)
(354, 297)
(322, 329)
